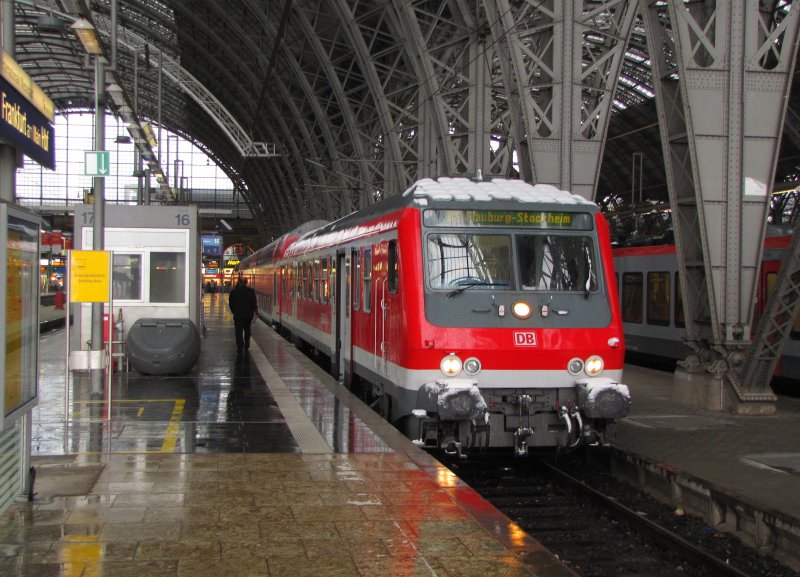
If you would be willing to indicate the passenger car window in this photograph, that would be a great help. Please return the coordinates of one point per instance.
(658, 294)
(367, 270)
(632, 297)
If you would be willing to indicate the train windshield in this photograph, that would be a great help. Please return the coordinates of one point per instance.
(546, 262)
(468, 260)
(556, 263)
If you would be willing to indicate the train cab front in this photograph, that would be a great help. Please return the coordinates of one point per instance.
(521, 306)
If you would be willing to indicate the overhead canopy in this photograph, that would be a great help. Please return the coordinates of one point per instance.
(316, 108)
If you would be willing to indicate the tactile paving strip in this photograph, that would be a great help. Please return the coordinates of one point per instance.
(305, 433)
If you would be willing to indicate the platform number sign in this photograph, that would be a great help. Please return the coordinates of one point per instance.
(96, 163)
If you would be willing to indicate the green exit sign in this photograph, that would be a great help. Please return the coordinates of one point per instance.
(96, 163)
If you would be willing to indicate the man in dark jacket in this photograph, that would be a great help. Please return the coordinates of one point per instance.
(243, 305)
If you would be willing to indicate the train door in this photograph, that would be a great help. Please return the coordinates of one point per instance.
(385, 286)
(389, 305)
(342, 357)
(281, 295)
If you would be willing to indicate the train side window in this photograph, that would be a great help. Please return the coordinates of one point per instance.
(323, 295)
(680, 320)
(393, 267)
(632, 297)
(367, 269)
(317, 280)
(274, 287)
(167, 277)
(356, 280)
(127, 277)
(658, 294)
(346, 281)
(332, 268)
(310, 280)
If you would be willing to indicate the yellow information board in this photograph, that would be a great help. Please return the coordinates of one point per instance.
(89, 276)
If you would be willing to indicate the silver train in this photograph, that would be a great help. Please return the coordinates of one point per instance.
(651, 305)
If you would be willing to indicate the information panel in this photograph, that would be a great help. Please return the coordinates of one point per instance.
(89, 276)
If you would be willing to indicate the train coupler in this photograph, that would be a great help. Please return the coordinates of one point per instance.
(520, 441)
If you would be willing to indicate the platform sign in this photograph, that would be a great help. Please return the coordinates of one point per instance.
(89, 276)
(97, 163)
(24, 127)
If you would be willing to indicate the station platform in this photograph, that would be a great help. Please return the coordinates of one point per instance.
(263, 465)
(259, 464)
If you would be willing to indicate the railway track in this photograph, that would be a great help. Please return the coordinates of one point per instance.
(600, 527)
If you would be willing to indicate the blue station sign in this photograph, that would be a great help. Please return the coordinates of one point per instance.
(24, 127)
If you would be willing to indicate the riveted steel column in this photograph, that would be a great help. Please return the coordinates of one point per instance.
(721, 110)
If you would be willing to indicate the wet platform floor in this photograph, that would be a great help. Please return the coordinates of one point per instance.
(251, 465)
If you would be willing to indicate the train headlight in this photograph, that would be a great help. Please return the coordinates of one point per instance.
(594, 366)
(472, 366)
(451, 365)
(575, 366)
(521, 310)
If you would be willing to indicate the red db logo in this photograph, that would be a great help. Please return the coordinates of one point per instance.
(524, 339)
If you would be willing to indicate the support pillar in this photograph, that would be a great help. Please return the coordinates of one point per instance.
(722, 73)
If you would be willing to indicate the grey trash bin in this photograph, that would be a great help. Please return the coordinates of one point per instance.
(163, 346)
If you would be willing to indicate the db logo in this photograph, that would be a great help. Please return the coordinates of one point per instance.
(524, 339)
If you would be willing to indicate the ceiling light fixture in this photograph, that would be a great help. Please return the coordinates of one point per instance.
(87, 34)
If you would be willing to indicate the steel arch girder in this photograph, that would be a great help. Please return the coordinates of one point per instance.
(565, 106)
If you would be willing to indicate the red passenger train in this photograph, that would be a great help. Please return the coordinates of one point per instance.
(470, 314)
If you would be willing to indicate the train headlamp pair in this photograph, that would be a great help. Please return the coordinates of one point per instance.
(592, 366)
(451, 365)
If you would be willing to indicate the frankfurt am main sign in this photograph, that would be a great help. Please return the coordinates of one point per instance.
(26, 115)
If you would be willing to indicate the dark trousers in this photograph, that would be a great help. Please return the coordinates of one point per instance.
(242, 327)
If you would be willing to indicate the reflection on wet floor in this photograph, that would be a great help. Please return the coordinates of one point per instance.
(222, 405)
(246, 466)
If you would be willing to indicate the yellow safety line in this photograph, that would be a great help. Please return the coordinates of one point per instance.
(173, 428)
(170, 437)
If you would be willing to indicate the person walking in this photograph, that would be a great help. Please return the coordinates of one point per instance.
(243, 305)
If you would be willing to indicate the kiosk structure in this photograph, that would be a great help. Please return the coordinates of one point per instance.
(155, 266)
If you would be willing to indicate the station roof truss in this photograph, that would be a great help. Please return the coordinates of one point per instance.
(320, 107)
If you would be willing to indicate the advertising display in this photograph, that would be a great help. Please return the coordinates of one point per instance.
(19, 249)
